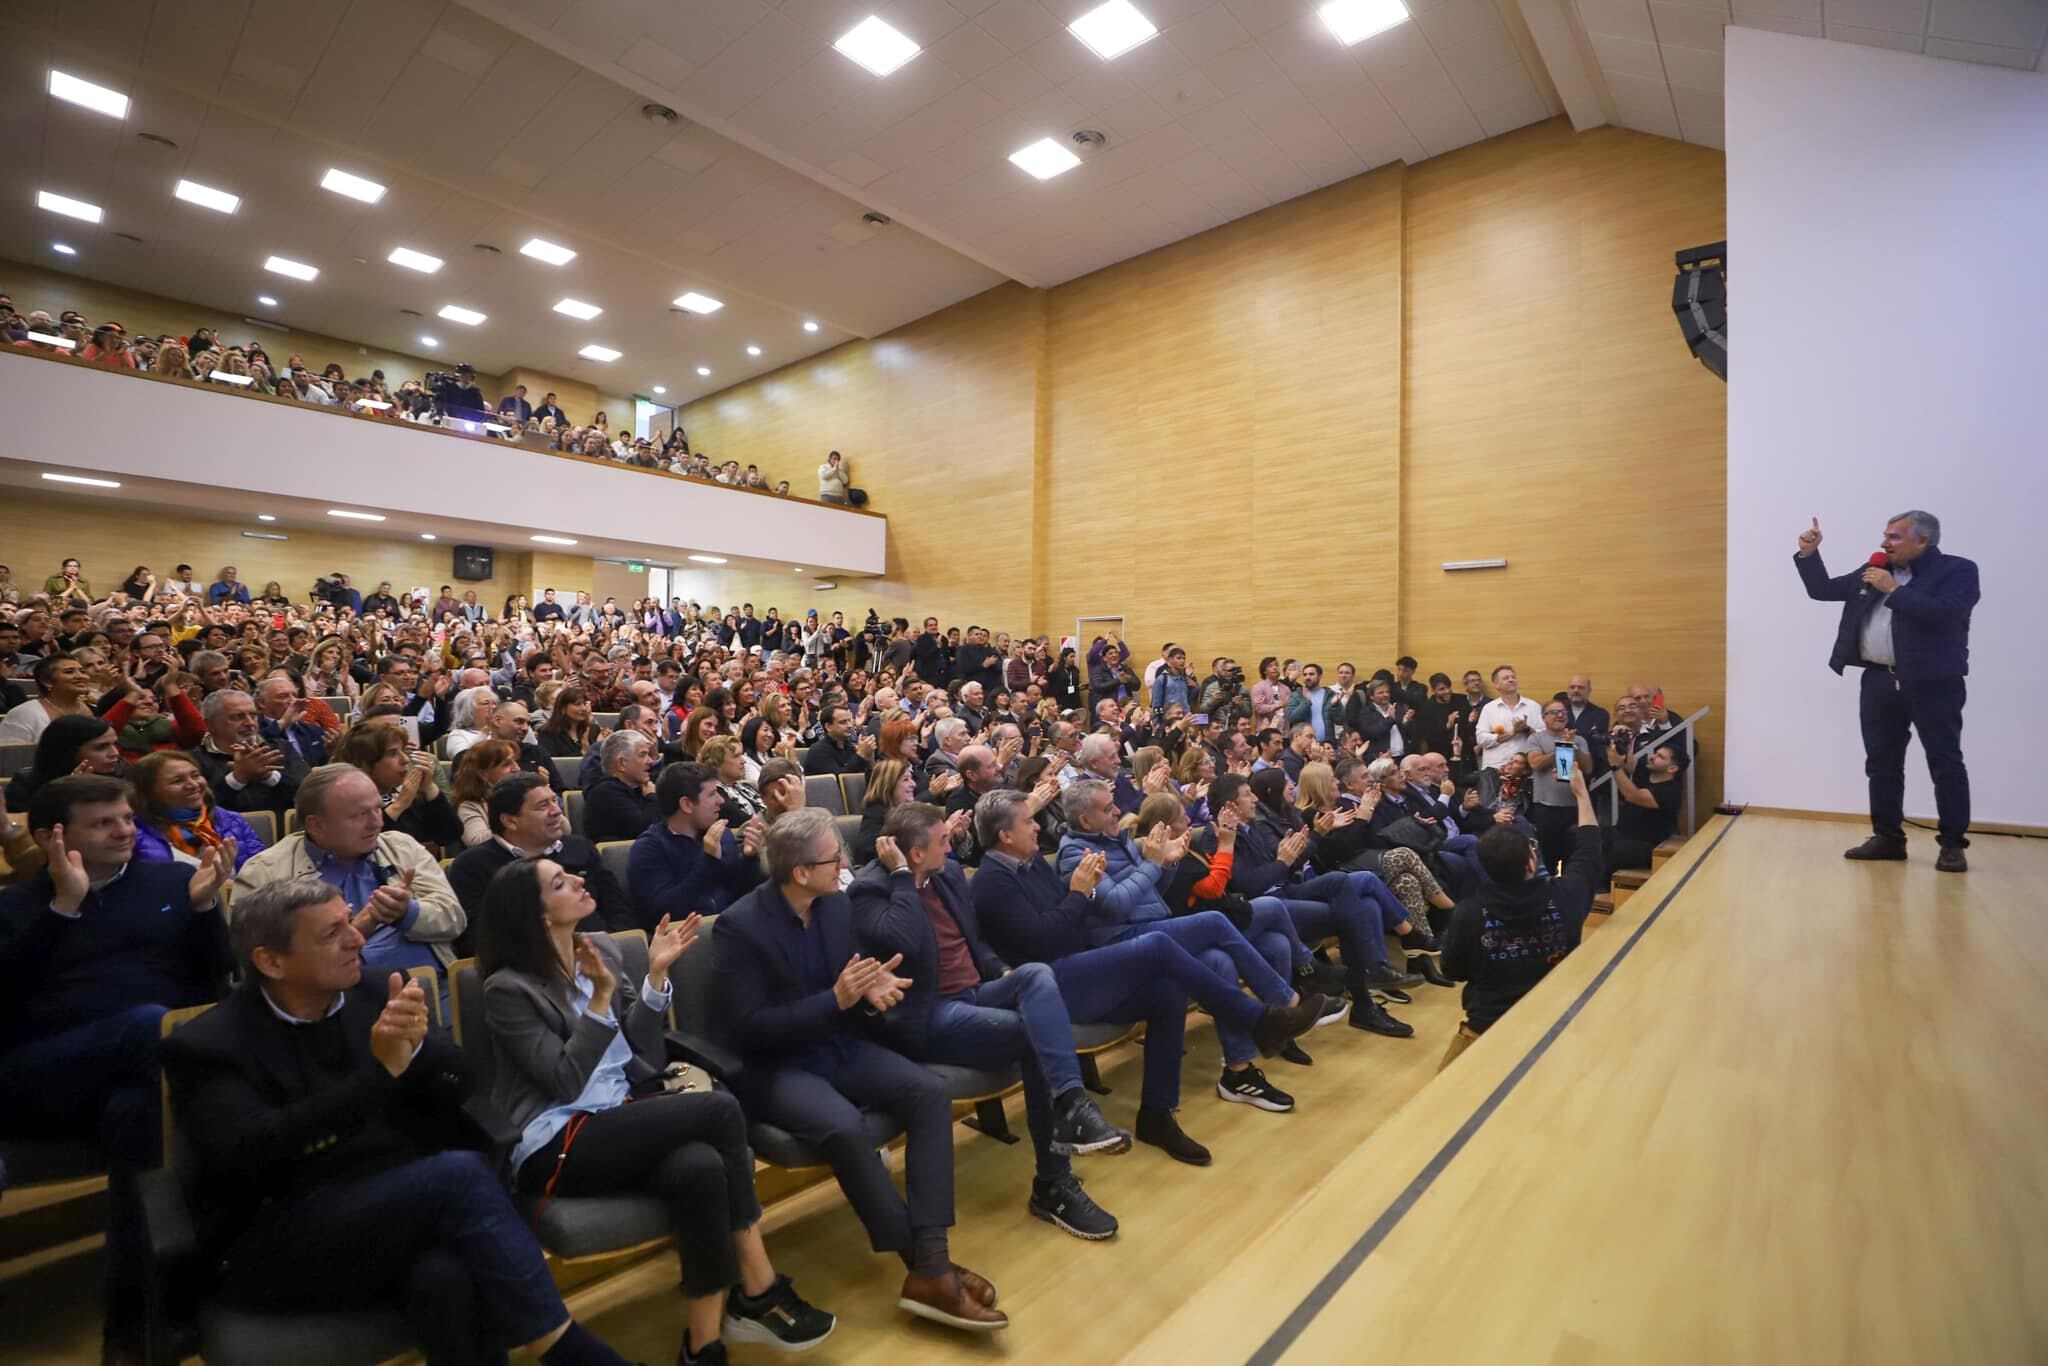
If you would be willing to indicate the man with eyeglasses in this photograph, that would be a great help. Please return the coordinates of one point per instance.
(527, 821)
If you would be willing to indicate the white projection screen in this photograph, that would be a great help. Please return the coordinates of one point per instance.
(1888, 306)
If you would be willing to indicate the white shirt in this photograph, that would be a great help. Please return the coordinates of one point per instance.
(1877, 627)
(1497, 749)
(26, 723)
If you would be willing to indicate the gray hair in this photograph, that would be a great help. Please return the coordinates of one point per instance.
(1080, 795)
(618, 745)
(217, 702)
(946, 729)
(1094, 747)
(275, 680)
(462, 712)
(312, 796)
(1926, 523)
(1382, 768)
(793, 841)
(994, 812)
(203, 660)
(631, 713)
(264, 918)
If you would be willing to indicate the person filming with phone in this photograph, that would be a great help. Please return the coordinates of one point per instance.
(1906, 624)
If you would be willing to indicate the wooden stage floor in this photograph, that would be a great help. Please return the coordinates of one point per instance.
(1782, 1107)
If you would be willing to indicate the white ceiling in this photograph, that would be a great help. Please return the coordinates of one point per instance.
(1661, 59)
(495, 120)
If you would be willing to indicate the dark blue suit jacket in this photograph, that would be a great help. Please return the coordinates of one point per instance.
(1930, 615)
(1030, 915)
(771, 1011)
(889, 917)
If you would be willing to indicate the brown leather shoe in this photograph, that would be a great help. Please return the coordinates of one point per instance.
(977, 1285)
(944, 1299)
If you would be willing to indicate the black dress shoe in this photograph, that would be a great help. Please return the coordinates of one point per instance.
(1297, 1055)
(1951, 861)
(1160, 1129)
(1432, 971)
(1371, 1015)
(1878, 849)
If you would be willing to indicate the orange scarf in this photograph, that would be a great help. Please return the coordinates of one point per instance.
(193, 837)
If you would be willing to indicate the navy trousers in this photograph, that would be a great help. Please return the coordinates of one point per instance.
(1152, 978)
(1891, 710)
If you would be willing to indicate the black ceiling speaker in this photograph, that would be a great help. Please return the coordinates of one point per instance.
(1699, 296)
(473, 562)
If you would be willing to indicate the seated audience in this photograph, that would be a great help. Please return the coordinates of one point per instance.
(470, 719)
(479, 769)
(621, 804)
(689, 861)
(513, 724)
(781, 788)
(69, 744)
(740, 800)
(1508, 935)
(527, 822)
(808, 1011)
(569, 733)
(836, 749)
(965, 1006)
(407, 782)
(93, 951)
(1030, 917)
(151, 717)
(62, 689)
(574, 1040)
(245, 772)
(399, 900)
(177, 819)
(891, 783)
(334, 1162)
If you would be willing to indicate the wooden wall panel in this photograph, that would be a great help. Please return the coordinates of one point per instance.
(110, 538)
(1555, 419)
(1220, 411)
(937, 420)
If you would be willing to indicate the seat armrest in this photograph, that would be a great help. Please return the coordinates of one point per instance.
(691, 1048)
(174, 1269)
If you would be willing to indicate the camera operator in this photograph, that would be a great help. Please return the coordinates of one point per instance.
(456, 396)
(1223, 697)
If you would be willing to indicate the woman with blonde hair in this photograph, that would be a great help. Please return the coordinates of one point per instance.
(327, 672)
(476, 772)
(741, 801)
(173, 360)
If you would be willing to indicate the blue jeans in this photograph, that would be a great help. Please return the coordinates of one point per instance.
(438, 1234)
(1356, 907)
(1272, 932)
(1152, 978)
(1020, 1018)
(1216, 943)
(98, 1083)
(1460, 854)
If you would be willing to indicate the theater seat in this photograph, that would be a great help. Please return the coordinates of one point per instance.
(264, 823)
(16, 757)
(854, 787)
(822, 791)
(616, 856)
(239, 1337)
(568, 771)
(572, 804)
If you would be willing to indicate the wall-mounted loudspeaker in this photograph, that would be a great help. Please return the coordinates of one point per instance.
(473, 562)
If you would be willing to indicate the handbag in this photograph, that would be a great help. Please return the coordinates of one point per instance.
(857, 497)
(1235, 908)
(1409, 833)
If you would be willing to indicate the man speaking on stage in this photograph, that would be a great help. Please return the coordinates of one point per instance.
(1906, 621)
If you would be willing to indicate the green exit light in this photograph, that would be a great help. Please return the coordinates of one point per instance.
(636, 567)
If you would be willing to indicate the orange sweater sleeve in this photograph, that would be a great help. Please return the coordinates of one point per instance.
(1218, 881)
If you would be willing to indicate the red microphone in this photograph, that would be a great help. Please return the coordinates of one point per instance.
(1880, 560)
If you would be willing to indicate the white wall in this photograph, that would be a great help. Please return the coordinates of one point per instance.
(216, 440)
(1887, 214)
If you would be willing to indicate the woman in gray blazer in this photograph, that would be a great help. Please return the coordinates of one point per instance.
(579, 1057)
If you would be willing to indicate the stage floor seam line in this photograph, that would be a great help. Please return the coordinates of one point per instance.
(1346, 1266)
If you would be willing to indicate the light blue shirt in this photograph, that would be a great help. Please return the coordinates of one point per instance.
(385, 948)
(607, 1087)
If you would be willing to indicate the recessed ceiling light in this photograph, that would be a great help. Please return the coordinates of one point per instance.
(266, 536)
(430, 342)
(414, 260)
(810, 326)
(708, 559)
(660, 388)
(753, 350)
(797, 569)
(596, 352)
(704, 370)
(354, 186)
(266, 301)
(552, 540)
(428, 536)
(265, 517)
(576, 308)
(70, 208)
(540, 249)
(298, 270)
(1113, 29)
(63, 250)
(206, 197)
(1353, 21)
(81, 479)
(356, 516)
(1044, 159)
(698, 303)
(876, 46)
(456, 313)
(96, 97)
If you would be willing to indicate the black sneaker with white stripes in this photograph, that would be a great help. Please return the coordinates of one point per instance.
(1061, 1202)
(1078, 1127)
(1248, 1086)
